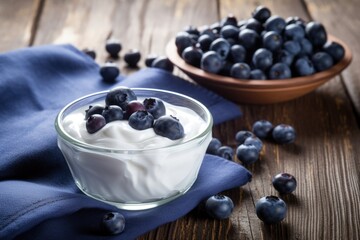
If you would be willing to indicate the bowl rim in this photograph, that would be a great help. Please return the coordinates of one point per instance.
(62, 133)
(195, 72)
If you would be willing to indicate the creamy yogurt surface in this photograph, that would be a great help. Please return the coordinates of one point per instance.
(120, 135)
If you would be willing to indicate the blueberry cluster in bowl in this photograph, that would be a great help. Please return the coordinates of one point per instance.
(121, 103)
(264, 46)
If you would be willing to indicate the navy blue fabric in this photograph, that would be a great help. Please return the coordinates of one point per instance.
(38, 198)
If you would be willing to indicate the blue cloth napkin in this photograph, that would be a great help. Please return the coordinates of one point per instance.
(38, 198)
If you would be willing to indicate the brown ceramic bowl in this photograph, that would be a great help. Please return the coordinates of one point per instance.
(259, 91)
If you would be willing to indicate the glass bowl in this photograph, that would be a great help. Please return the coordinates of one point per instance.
(135, 179)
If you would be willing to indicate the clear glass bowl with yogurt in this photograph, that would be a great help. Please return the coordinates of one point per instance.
(134, 169)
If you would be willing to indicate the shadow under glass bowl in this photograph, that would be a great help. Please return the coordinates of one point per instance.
(259, 91)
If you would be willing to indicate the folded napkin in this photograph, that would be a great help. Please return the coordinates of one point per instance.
(38, 197)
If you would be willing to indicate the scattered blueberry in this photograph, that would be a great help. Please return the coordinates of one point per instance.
(132, 58)
(109, 72)
(316, 33)
(240, 71)
(279, 71)
(112, 113)
(284, 183)
(271, 209)
(169, 127)
(214, 146)
(113, 223)
(262, 59)
(155, 106)
(254, 141)
(322, 61)
(335, 50)
(211, 62)
(94, 123)
(141, 120)
(113, 47)
(261, 13)
(242, 135)
(97, 109)
(247, 153)
(91, 53)
(120, 96)
(150, 59)
(226, 152)
(284, 134)
(262, 128)
(219, 206)
(164, 63)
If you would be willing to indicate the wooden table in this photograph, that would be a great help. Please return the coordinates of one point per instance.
(324, 159)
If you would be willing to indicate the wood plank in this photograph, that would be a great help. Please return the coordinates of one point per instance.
(17, 23)
(342, 20)
(323, 158)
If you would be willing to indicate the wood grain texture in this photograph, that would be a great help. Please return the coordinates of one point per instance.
(17, 23)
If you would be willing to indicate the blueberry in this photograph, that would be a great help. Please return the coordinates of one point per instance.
(97, 109)
(109, 72)
(261, 13)
(316, 33)
(211, 62)
(132, 107)
(322, 61)
(247, 153)
(230, 19)
(254, 24)
(216, 26)
(113, 47)
(257, 74)
(226, 68)
(150, 59)
(94, 123)
(284, 134)
(295, 20)
(284, 56)
(304, 67)
(275, 23)
(242, 135)
(240, 71)
(237, 53)
(219, 206)
(279, 71)
(284, 183)
(294, 32)
(262, 59)
(192, 30)
(169, 127)
(229, 31)
(249, 39)
(335, 50)
(306, 47)
(182, 41)
(155, 106)
(112, 113)
(205, 42)
(132, 58)
(90, 52)
(271, 209)
(272, 41)
(210, 32)
(254, 141)
(113, 223)
(120, 96)
(221, 47)
(192, 55)
(214, 146)
(293, 47)
(262, 128)
(141, 120)
(164, 63)
(226, 152)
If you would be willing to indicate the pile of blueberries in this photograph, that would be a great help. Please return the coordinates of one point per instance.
(110, 70)
(264, 46)
(121, 104)
(270, 209)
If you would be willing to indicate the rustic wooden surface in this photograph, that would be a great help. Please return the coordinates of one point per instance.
(324, 159)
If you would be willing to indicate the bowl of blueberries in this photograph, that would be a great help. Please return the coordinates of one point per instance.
(261, 60)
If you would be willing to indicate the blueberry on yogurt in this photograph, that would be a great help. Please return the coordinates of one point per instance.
(155, 106)
(141, 120)
(120, 96)
(169, 127)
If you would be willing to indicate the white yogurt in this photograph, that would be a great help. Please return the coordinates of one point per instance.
(135, 176)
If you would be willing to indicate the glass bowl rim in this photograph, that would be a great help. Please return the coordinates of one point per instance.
(69, 139)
